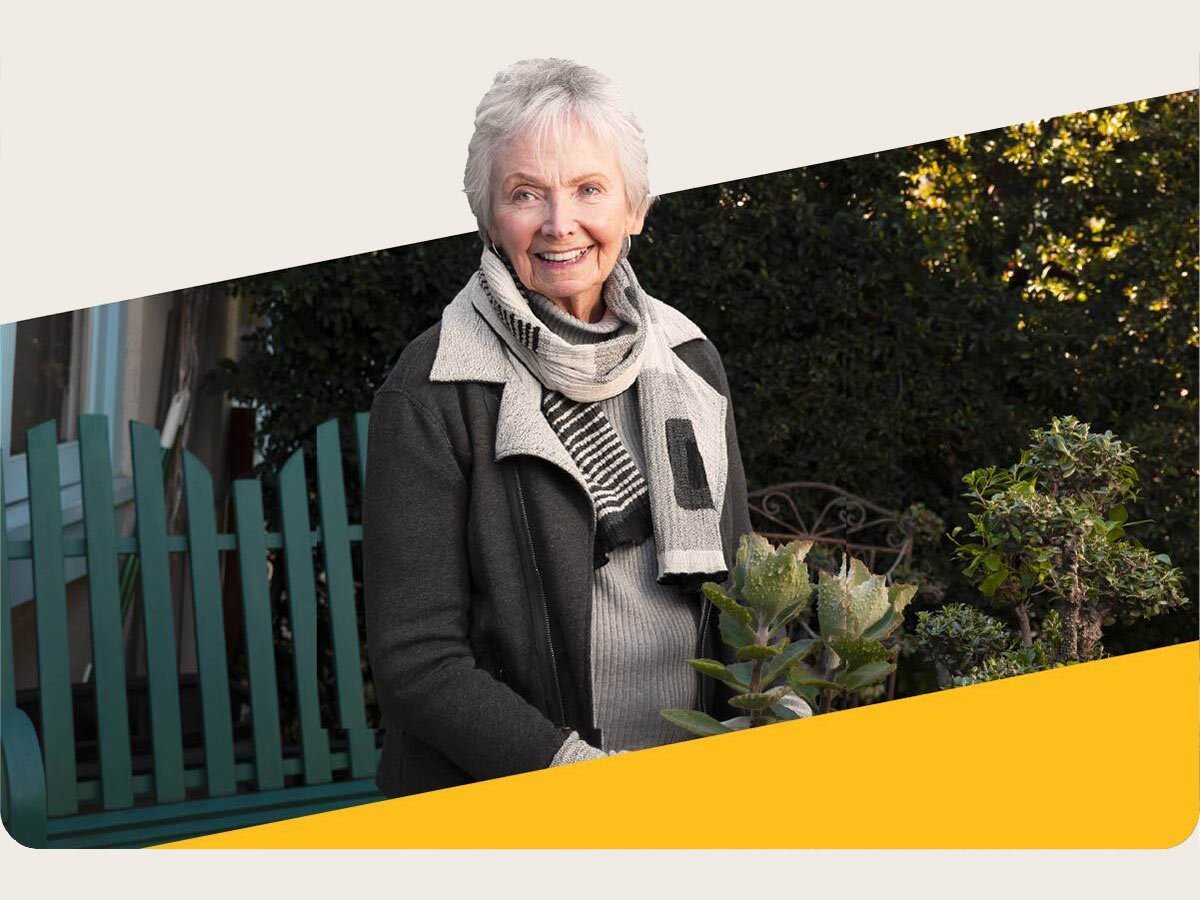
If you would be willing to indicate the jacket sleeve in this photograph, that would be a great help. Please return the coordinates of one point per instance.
(417, 588)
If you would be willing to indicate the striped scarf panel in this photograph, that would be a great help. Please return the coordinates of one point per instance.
(620, 494)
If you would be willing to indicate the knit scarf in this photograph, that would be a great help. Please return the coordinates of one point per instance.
(682, 419)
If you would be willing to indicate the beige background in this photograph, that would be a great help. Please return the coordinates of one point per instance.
(145, 148)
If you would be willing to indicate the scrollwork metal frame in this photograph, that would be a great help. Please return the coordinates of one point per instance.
(845, 521)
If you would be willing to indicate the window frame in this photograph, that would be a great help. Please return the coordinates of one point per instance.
(101, 390)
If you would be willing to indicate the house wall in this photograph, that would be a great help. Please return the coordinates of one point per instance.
(144, 390)
(145, 342)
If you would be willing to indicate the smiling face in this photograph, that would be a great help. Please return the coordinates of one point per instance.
(560, 214)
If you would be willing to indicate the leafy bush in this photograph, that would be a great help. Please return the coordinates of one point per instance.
(1050, 546)
(1049, 535)
(957, 638)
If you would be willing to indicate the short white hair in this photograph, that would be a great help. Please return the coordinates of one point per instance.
(550, 99)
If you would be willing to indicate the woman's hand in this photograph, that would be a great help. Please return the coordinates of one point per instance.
(576, 749)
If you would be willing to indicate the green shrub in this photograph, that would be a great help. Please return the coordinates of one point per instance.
(1049, 534)
(957, 638)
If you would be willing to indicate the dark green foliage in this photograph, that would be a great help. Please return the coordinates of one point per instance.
(1011, 662)
(329, 333)
(1048, 543)
(958, 637)
(892, 321)
(1049, 533)
(888, 323)
(1045, 652)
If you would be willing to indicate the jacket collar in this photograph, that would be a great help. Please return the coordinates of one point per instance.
(468, 350)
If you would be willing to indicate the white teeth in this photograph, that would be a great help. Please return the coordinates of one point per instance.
(563, 257)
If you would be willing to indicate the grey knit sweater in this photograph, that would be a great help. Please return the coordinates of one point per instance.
(642, 632)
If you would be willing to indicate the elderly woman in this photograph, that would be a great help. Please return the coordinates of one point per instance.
(553, 468)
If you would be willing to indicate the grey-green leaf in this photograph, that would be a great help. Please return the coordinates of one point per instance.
(885, 627)
(760, 700)
(735, 633)
(714, 669)
(741, 671)
(757, 651)
(802, 677)
(864, 675)
(793, 653)
(695, 722)
(727, 604)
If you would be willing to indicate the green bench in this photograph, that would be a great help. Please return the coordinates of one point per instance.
(127, 792)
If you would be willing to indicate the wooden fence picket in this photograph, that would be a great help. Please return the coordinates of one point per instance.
(166, 731)
(210, 628)
(362, 423)
(302, 609)
(132, 800)
(259, 635)
(335, 535)
(8, 690)
(54, 671)
(104, 605)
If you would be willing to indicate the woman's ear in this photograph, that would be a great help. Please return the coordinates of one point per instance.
(635, 222)
(637, 219)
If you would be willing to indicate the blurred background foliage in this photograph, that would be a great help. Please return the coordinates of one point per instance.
(888, 322)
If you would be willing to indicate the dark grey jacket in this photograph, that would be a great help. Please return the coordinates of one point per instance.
(477, 555)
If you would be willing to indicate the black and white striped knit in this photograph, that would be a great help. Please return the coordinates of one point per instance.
(619, 492)
(642, 631)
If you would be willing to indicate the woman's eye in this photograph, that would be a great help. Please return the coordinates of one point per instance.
(590, 190)
(522, 196)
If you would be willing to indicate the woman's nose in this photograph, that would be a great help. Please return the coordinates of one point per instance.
(560, 219)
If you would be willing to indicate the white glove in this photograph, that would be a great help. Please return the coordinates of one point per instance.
(576, 749)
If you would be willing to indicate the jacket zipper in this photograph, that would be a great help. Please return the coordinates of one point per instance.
(591, 700)
(704, 608)
(562, 714)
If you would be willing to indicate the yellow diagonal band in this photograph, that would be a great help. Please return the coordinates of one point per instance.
(1104, 754)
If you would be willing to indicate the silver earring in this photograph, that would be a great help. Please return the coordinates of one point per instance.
(626, 245)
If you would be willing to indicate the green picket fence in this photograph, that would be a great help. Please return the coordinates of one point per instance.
(48, 800)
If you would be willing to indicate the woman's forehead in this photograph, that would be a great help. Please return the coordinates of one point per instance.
(562, 156)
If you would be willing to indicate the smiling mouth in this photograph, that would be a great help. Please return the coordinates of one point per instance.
(564, 258)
